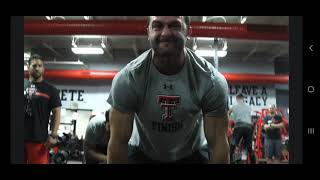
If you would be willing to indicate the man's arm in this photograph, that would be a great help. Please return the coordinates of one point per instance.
(120, 130)
(280, 125)
(216, 132)
(54, 131)
(56, 120)
(92, 153)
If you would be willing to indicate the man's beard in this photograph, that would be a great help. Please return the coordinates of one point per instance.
(36, 75)
(173, 48)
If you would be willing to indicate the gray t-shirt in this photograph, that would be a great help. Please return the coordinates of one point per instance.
(96, 132)
(241, 114)
(168, 109)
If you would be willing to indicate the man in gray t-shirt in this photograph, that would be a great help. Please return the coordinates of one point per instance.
(241, 114)
(96, 139)
(177, 100)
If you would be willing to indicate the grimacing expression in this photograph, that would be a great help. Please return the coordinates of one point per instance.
(36, 68)
(167, 35)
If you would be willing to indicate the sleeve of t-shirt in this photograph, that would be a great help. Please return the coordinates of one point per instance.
(55, 99)
(280, 120)
(215, 100)
(90, 134)
(123, 95)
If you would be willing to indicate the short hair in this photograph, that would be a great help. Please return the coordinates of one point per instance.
(34, 56)
(106, 114)
(272, 106)
(240, 96)
(186, 19)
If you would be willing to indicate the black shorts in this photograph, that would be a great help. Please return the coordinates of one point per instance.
(244, 132)
(273, 148)
(136, 156)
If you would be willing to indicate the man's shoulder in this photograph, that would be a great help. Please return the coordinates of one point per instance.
(203, 67)
(49, 85)
(136, 70)
(140, 62)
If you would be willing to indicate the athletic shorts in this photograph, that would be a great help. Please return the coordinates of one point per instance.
(35, 153)
(273, 147)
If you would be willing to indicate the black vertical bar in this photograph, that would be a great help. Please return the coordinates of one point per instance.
(295, 89)
(16, 90)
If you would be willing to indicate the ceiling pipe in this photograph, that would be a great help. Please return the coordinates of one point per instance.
(135, 27)
(109, 75)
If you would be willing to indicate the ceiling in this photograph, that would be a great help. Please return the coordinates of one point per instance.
(128, 47)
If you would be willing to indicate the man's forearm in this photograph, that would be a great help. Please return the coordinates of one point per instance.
(96, 156)
(56, 124)
(117, 153)
(56, 120)
(219, 153)
(278, 125)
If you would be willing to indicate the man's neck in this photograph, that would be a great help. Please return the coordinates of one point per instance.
(169, 65)
(31, 79)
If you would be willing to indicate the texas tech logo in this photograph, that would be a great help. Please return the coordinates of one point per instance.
(168, 104)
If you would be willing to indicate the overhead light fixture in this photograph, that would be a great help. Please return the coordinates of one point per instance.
(26, 56)
(86, 17)
(194, 47)
(88, 36)
(87, 50)
(103, 45)
(205, 39)
(210, 53)
(204, 18)
(64, 62)
(222, 53)
(243, 19)
(74, 42)
(49, 18)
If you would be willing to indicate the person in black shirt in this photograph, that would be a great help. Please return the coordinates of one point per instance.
(41, 98)
(272, 125)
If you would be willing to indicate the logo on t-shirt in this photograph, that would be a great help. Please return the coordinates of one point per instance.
(29, 93)
(168, 104)
(168, 123)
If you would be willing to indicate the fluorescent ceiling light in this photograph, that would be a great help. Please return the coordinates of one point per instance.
(88, 36)
(103, 45)
(65, 62)
(205, 39)
(210, 53)
(86, 50)
(243, 19)
(74, 44)
(222, 53)
(27, 55)
(204, 18)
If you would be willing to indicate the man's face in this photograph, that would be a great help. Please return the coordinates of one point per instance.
(167, 34)
(36, 68)
(272, 109)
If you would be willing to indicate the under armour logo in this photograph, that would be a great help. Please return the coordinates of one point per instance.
(170, 86)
